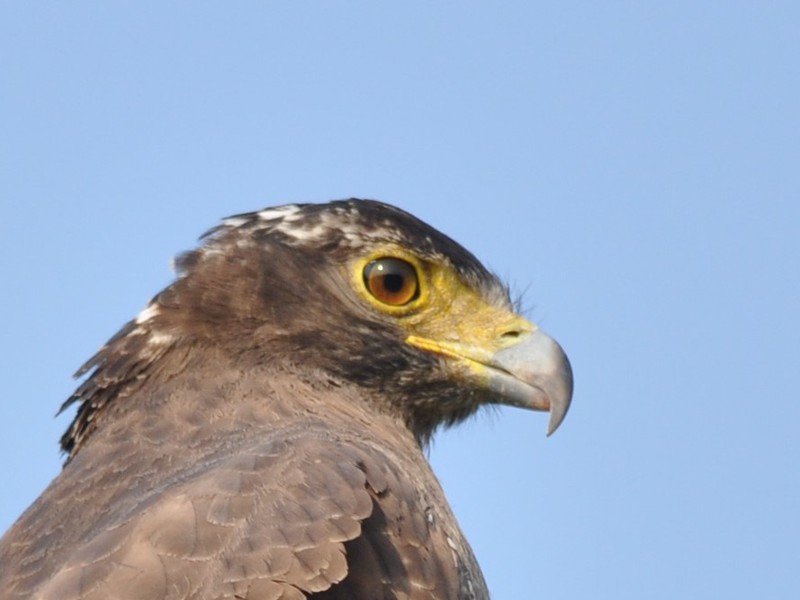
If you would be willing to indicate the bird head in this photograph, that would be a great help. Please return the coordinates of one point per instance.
(355, 291)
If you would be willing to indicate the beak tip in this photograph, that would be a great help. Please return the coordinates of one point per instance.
(562, 398)
(554, 423)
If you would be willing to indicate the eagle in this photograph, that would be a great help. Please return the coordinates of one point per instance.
(259, 430)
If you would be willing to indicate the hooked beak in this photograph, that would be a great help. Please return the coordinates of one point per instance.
(535, 374)
(530, 372)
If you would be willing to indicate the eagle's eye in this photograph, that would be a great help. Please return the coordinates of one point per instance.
(392, 281)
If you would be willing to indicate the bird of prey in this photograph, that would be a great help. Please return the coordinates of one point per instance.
(258, 430)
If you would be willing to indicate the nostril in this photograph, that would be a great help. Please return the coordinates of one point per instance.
(511, 335)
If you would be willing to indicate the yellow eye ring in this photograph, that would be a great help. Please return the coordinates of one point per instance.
(392, 281)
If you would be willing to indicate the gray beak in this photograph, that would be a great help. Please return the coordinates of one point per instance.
(534, 373)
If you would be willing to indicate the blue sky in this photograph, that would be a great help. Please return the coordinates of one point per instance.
(633, 168)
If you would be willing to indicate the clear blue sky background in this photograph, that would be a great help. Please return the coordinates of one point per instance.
(632, 167)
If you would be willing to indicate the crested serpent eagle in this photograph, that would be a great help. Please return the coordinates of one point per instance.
(258, 430)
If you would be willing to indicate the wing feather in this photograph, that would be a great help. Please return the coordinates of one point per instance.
(308, 509)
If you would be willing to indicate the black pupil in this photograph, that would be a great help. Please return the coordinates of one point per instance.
(393, 282)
